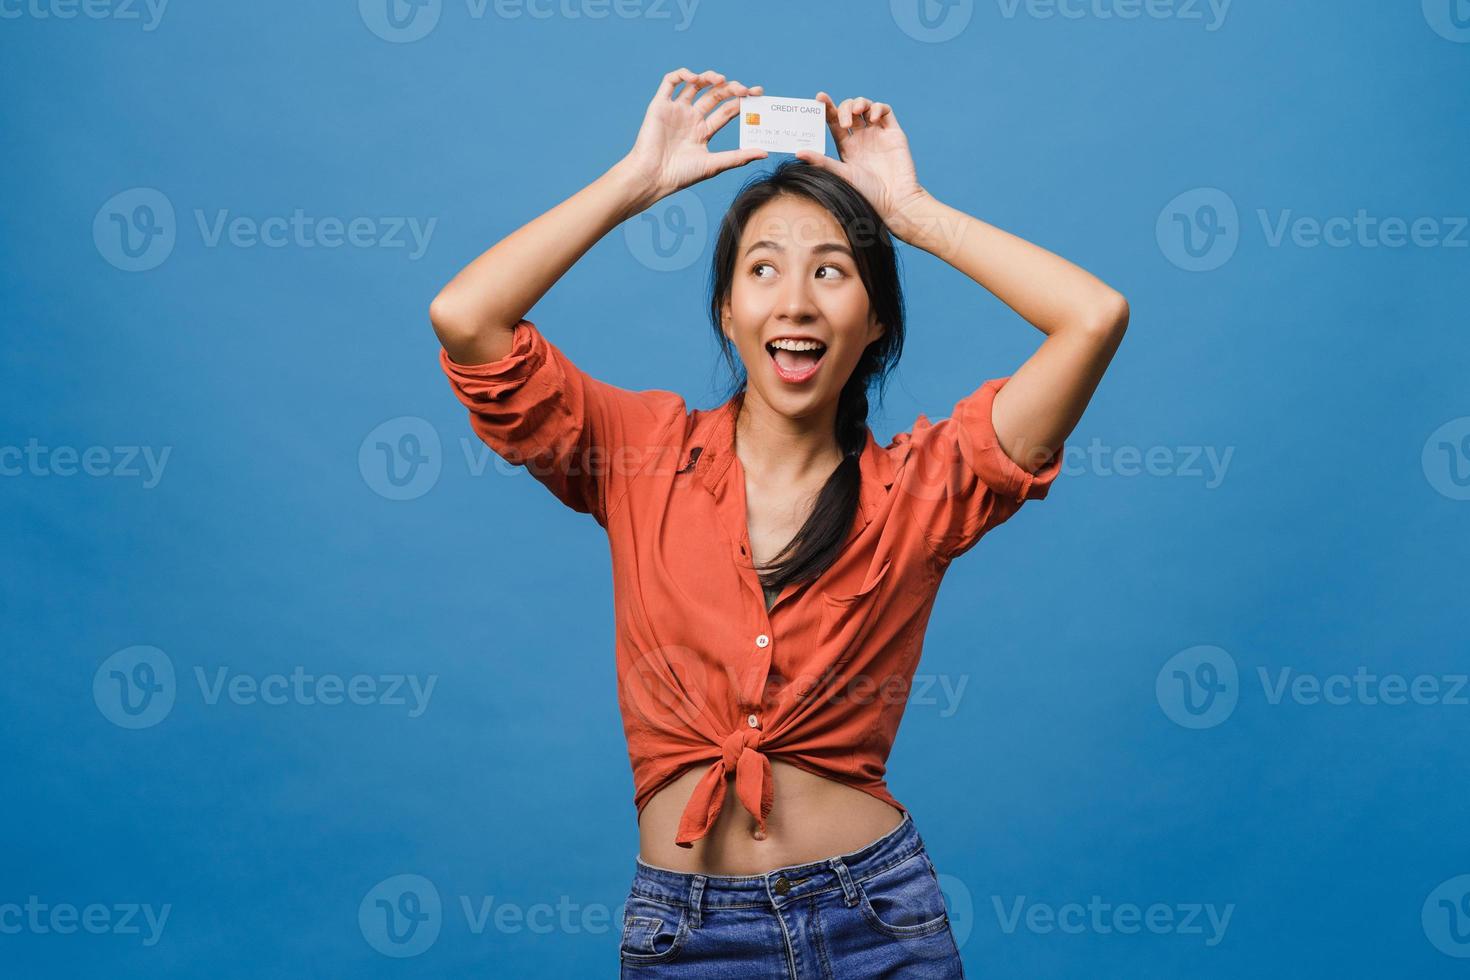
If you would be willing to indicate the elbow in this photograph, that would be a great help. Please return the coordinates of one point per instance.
(452, 326)
(1109, 317)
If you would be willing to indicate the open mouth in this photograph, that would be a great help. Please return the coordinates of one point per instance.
(796, 360)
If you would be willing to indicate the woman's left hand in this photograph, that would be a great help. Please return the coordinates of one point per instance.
(874, 155)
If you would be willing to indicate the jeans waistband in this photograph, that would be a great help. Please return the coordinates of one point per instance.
(779, 886)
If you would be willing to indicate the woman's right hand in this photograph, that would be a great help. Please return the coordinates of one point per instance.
(672, 148)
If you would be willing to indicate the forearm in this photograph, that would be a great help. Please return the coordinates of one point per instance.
(1043, 288)
(473, 314)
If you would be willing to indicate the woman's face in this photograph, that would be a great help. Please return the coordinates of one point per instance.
(796, 283)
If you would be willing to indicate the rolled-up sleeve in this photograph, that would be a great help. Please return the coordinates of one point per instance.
(580, 437)
(960, 483)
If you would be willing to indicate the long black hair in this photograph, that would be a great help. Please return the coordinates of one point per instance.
(821, 538)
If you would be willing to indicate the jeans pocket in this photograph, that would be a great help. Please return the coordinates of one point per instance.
(653, 932)
(904, 901)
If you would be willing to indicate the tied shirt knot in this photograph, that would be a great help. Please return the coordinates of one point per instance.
(740, 759)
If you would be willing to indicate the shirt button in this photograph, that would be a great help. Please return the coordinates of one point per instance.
(752, 721)
(763, 641)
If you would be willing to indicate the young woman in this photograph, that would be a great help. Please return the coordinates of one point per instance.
(774, 566)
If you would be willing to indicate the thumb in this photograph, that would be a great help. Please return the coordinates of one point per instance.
(730, 159)
(823, 161)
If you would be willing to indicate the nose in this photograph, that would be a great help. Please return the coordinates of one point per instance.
(795, 302)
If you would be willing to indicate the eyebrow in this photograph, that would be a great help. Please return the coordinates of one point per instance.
(821, 249)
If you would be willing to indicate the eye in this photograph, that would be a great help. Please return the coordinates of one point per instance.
(758, 266)
(836, 268)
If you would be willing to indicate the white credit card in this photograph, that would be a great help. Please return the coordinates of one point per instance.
(782, 125)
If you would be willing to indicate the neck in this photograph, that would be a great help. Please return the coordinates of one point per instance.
(783, 447)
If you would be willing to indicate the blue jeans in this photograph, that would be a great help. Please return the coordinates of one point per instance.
(876, 912)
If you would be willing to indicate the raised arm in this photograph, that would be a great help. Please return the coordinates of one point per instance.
(475, 315)
(1084, 319)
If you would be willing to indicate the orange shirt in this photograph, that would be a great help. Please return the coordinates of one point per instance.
(706, 675)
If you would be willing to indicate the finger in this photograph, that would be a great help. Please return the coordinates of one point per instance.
(699, 81)
(730, 159)
(838, 133)
(878, 111)
(844, 114)
(673, 78)
(859, 107)
(721, 116)
(717, 94)
(823, 162)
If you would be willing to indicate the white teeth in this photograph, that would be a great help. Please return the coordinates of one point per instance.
(785, 343)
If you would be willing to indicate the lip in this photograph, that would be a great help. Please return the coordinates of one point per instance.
(796, 377)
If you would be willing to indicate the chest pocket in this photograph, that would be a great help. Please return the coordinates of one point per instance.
(846, 619)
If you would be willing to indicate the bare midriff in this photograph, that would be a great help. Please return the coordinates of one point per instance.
(813, 818)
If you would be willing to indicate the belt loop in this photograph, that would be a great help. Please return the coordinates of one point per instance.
(696, 898)
(849, 890)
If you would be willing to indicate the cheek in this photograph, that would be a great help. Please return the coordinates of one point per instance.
(750, 305)
(847, 311)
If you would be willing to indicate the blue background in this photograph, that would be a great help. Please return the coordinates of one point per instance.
(1332, 541)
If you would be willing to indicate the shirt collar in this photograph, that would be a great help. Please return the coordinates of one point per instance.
(875, 464)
